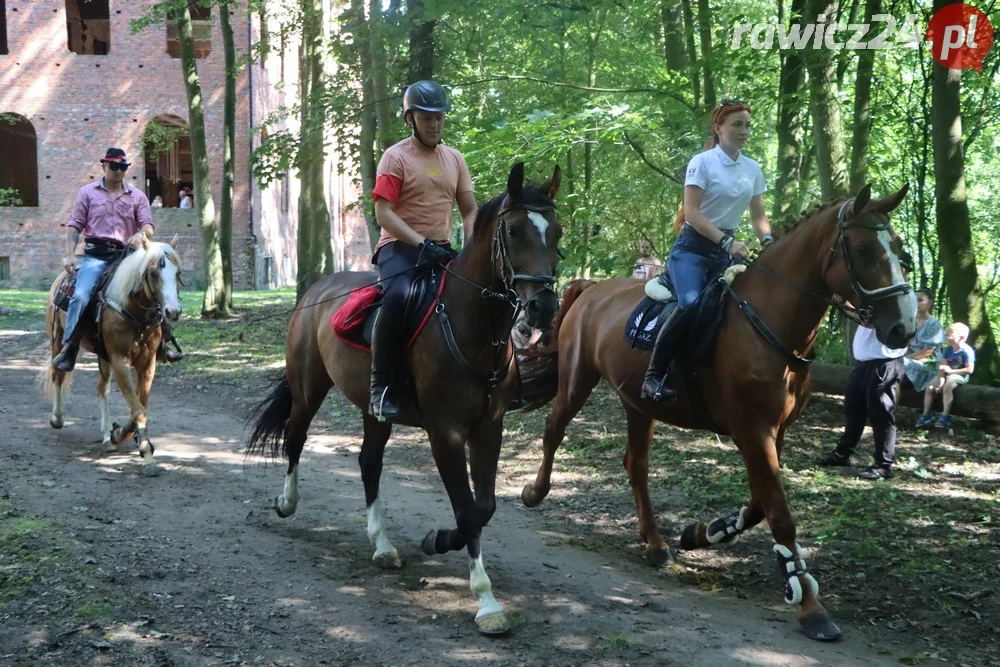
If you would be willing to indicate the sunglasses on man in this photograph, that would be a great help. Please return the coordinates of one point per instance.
(117, 166)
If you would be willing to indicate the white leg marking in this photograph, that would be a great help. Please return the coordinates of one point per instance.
(540, 222)
(482, 588)
(376, 533)
(289, 498)
(102, 400)
(57, 409)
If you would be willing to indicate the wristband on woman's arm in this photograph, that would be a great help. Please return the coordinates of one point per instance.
(726, 242)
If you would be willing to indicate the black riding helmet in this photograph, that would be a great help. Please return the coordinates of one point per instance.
(426, 96)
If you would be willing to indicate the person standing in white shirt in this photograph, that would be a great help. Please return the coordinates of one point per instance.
(870, 397)
(721, 184)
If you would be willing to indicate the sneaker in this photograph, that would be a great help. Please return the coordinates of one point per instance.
(876, 473)
(834, 458)
(944, 421)
(925, 420)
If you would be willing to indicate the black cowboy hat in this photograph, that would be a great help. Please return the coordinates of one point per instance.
(116, 155)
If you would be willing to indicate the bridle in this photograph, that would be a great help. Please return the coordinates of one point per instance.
(866, 311)
(150, 316)
(504, 270)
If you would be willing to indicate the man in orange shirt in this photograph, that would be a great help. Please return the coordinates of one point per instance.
(418, 182)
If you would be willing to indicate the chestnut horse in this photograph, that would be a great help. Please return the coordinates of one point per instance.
(142, 293)
(459, 371)
(748, 387)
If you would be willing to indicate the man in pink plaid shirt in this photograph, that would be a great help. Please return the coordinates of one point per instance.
(107, 214)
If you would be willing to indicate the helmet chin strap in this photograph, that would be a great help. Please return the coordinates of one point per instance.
(416, 133)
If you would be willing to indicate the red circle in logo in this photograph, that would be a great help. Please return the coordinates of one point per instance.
(961, 36)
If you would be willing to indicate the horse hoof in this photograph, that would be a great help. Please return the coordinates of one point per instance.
(151, 470)
(819, 626)
(278, 511)
(530, 497)
(493, 625)
(427, 546)
(659, 557)
(689, 538)
(56, 423)
(390, 560)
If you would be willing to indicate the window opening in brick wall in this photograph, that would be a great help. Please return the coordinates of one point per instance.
(267, 270)
(18, 161)
(4, 268)
(167, 159)
(88, 27)
(201, 29)
(3, 28)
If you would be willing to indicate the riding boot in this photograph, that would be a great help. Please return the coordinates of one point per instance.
(656, 385)
(385, 340)
(165, 353)
(65, 361)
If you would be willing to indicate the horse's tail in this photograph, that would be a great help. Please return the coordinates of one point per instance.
(540, 383)
(269, 428)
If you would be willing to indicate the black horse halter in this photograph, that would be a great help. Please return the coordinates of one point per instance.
(502, 254)
(866, 311)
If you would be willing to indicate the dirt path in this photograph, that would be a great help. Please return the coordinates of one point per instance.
(193, 568)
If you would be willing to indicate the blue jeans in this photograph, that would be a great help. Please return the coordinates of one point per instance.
(87, 275)
(693, 261)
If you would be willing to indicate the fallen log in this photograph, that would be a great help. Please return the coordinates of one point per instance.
(971, 400)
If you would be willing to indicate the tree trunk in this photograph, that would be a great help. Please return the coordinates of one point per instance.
(383, 113)
(958, 257)
(421, 42)
(790, 129)
(970, 400)
(673, 36)
(228, 159)
(828, 130)
(692, 52)
(862, 105)
(367, 162)
(214, 304)
(314, 248)
(705, 31)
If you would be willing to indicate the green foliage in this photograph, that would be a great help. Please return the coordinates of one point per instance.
(159, 137)
(8, 197)
(587, 86)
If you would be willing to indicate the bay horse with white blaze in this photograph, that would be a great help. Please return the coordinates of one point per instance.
(459, 373)
(142, 292)
(753, 381)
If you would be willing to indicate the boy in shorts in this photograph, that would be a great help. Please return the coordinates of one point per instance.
(957, 364)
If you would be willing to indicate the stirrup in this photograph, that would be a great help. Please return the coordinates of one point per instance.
(378, 411)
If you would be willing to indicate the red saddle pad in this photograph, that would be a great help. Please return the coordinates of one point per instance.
(349, 320)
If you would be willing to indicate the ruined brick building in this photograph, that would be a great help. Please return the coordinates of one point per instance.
(75, 80)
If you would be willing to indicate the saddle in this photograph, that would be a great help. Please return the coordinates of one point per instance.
(353, 321)
(91, 315)
(644, 324)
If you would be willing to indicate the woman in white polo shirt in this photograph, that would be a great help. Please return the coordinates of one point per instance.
(720, 185)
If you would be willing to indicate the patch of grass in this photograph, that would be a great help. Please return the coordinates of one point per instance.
(618, 643)
(93, 608)
(23, 309)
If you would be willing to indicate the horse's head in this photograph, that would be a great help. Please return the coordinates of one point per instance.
(153, 270)
(526, 249)
(870, 275)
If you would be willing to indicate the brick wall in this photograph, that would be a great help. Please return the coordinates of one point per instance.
(79, 105)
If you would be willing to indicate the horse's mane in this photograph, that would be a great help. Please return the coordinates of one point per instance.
(530, 194)
(806, 216)
(131, 272)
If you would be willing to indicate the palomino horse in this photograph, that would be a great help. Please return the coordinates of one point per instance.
(459, 374)
(752, 383)
(141, 293)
